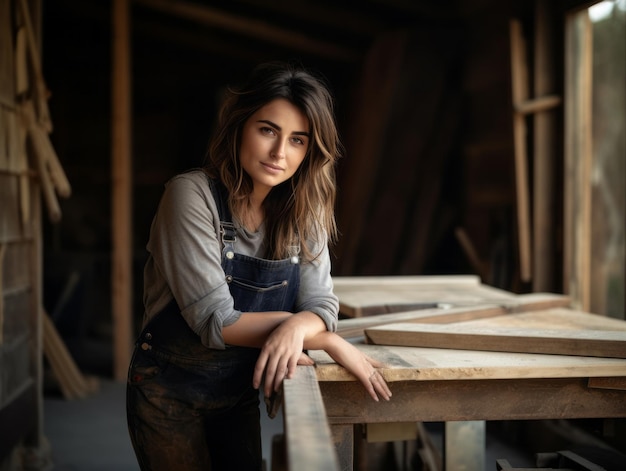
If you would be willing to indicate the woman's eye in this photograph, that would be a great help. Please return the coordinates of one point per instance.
(297, 140)
(266, 130)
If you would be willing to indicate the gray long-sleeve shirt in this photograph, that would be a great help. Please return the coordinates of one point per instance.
(184, 263)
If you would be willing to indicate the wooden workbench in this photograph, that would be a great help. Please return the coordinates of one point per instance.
(464, 388)
(458, 385)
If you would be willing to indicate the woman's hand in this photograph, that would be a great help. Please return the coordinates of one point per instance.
(283, 350)
(360, 365)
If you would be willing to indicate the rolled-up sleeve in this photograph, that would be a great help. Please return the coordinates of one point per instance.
(185, 260)
(316, 289)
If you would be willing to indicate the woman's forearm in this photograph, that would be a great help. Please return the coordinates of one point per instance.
(253, 328)
(321, 341)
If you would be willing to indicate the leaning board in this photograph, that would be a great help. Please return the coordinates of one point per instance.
(553, 331)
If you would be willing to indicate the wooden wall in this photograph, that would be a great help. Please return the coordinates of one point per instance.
(20, 256)
(397, 183)
(428, 186)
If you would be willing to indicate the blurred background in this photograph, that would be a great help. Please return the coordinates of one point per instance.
(481, 137)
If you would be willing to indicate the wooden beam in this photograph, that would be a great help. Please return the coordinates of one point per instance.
(578, 157)
(349, 20)
(544, 158)
(121, 270)
(498, 338)
(536, 105)
(41, 90)
(519, 81)
(469, 399)
(308, 437)
(355, 327)
(250, 27)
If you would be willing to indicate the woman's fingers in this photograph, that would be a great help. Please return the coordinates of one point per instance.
(378, 386)
(270, 371)
(305, 360)
(259, 370)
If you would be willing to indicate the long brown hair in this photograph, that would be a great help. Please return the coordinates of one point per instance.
(301, 208)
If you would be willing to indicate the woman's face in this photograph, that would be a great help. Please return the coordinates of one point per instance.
(274, 143)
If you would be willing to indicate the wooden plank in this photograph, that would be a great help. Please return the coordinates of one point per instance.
(40, 90)
(308, 436)
(502, 338)
(578, 158)
(7, 77)
(544, 150)
(349, 282)
(519, 79)
(523, 303)
(554, 318)
(215, 18)
(356, 327)
(364, 296)
(502, 399)
(424, 364)
(535, 105)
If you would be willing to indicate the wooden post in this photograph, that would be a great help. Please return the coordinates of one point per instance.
(543, 155)
(519, 80)
(578, 156)
(121, 269)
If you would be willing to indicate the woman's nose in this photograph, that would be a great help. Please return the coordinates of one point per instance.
(278, 152)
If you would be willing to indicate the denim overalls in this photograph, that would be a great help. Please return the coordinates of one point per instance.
(194, 408)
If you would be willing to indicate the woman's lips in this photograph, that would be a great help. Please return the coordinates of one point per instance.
(271, 168)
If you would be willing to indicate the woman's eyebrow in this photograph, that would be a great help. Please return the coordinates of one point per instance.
(274, 125)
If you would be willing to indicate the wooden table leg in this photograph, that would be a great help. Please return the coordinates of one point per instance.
(464, 446)
(343, 438)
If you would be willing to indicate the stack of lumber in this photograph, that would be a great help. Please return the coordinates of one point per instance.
(447, 327)
(458, 312)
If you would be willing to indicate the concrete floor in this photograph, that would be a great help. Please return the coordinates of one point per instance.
(90, 434)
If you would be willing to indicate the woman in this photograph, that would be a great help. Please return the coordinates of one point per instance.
(237, 284)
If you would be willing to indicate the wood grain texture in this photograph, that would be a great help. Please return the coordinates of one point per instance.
(362, 296)
(309, 442)
(551, 332)
(502, 399)
(554, 318)
(355, 327)
(438, 364)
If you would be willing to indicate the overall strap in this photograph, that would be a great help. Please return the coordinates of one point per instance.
(227, 228)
